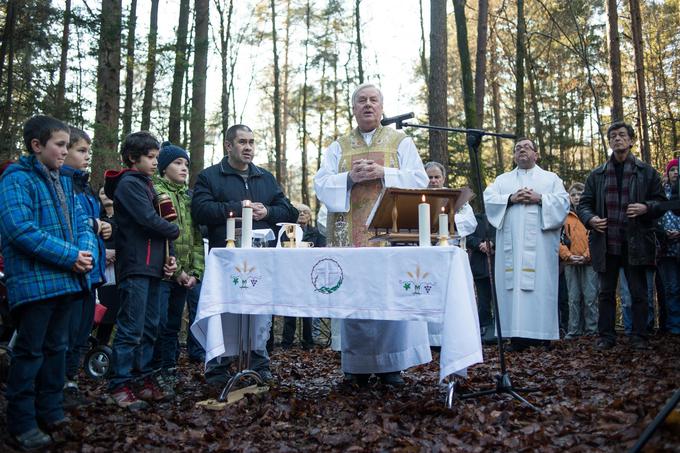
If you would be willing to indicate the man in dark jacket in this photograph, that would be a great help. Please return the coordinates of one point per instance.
(620, 206)
(221, 190)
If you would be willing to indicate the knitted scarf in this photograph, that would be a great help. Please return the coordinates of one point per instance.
(617, 204)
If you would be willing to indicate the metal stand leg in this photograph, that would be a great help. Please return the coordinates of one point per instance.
(244, 370)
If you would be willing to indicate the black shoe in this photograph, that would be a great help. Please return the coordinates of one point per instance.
(394, 379)
(266, 376)
(34, 439)
(604, 344)
(515, 346)
(360, 380)
(639, 343)
(72, 396)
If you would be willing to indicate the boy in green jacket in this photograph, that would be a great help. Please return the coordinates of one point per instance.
(173, 169)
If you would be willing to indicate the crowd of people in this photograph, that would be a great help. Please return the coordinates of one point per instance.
(136, 246)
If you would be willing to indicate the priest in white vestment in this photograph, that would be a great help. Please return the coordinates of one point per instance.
(527, 206)
(353, 172)
(465, 222)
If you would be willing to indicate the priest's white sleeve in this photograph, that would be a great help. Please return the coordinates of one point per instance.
(465, 219)
(554, 206)
(411, 173)
(496, 204)
(329, 185)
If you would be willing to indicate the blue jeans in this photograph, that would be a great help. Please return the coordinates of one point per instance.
(36, 374)
(582, 285)
(669, 269)
(136, 329)
(80, 326)
(194, 348)
(172, 299)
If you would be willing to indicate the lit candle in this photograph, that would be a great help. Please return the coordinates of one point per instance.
(246, 225)
(231, 226)
(443, 224)
(424, 224)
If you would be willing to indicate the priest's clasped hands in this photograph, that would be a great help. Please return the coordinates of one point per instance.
(366, 170)
(633, 210)
(525, 196)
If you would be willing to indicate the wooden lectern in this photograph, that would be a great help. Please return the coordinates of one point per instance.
(395, 213)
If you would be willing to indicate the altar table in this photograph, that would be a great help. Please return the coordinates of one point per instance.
(389, 283)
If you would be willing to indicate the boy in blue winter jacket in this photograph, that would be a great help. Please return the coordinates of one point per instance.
(76, 165)
(142, 246)
(48, 249)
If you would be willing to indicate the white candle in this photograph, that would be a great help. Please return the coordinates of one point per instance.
(424, 224)
(231, 227)
(246, 225)
(443, 224)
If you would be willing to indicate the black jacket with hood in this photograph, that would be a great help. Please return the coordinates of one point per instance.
(142, 233)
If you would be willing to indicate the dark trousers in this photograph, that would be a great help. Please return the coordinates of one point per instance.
(289, 327)
(563, 303)
(136, 329)
(194, 348)
(80, 326)
(637, 284)
(483, 286)
(172, 298)
(36, 374)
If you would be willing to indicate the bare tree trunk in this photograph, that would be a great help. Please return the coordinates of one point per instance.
(535, 102)
(636, 28)
(615, 60)
(304, 190)
(277, 104)
(59, 108)
(129, 68)
(108, 92)
(150, 67)
(423, 47)
(186, 108)
(357, 24)
(480, 66)
(437, 94)
(197, 125)
(6, 139)
(7, 33)
(495, 102)
(519, 70)
(285, 108)
(175, 120)
(466, 81)
(336, 84)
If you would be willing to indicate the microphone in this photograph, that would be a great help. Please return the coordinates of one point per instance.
(396, 119)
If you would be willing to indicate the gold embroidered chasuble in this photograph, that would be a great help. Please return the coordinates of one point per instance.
(383, 151)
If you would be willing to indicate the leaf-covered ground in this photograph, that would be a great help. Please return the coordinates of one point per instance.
(589, 401)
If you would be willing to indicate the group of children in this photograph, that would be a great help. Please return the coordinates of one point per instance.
(57, 243)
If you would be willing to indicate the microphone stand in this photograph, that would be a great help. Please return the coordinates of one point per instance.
(503, 381)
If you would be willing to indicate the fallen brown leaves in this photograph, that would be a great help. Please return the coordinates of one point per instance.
(589, 401)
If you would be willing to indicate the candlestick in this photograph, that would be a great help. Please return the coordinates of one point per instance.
(246, 225)
(424, 224)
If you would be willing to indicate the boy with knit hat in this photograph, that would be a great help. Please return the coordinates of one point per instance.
(173, 171)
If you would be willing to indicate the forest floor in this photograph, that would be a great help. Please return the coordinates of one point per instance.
(588, 400)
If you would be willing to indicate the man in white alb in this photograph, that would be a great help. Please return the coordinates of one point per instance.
(527, 206)
(354, 170)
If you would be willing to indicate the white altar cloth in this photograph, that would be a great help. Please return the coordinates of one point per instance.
(390, 283)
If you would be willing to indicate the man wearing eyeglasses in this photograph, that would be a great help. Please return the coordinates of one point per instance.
(527, 206)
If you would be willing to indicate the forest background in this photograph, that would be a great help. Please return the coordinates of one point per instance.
(559, 72)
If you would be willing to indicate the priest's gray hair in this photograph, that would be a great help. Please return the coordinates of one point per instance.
(361, 87)
(433, 164)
